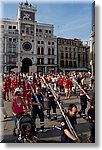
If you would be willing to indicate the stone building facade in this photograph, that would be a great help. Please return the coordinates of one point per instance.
(26, 44)
(72, 54)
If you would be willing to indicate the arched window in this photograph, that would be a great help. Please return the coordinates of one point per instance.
(42, 51)
(49, 51)
(52, 51)
(38, 51)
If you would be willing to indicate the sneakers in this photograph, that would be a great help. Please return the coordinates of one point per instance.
(44, 130)
(5, 116)
(55, 117)
(49, 116)
(83, 115)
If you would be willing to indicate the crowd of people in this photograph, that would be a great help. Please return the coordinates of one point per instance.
(28, 91)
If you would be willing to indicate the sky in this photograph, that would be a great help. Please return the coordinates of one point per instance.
(70, 19)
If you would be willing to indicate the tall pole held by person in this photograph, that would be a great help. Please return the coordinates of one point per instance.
(73, 132)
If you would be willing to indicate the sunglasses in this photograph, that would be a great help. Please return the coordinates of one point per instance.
(18, 94)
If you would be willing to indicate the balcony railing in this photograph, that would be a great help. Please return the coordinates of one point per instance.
(10, 63)
(14, 32)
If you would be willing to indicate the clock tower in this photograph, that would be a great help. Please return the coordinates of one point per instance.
(27, 34)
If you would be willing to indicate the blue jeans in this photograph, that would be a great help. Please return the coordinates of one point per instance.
(14, 119)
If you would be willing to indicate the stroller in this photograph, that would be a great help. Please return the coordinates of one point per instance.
(26, 130)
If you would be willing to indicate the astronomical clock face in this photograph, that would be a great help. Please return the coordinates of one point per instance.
(27, 46)
(27, 15)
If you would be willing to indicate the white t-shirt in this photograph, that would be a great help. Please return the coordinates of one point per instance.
(19, 90)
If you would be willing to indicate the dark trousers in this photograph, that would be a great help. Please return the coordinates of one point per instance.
(51, 104)
(83, 103)
(40, 113)
(66, 140)
(92, 129)
(83, 107)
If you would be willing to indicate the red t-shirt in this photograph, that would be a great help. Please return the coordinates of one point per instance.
(61, 81)
(67, 83)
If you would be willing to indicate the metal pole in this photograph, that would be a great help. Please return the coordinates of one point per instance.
(56, 127)
(65, 117)
(82, 89)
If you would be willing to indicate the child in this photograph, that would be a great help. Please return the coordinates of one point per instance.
(29, 138)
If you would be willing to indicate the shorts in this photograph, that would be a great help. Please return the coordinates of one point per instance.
(67, 90)
(16, 118)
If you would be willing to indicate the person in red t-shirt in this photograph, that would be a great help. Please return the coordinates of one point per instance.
(61, 83)
(5, 87)
(67, 87)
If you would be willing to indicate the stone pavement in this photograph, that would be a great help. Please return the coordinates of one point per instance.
(52, 135)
